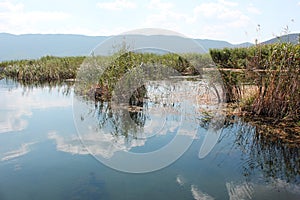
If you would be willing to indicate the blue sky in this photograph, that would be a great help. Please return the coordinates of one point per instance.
(230, 20)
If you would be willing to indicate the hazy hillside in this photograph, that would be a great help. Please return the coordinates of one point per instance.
(292, 38)
(36, 45)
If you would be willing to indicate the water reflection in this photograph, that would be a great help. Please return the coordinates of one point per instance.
(274, 158)
(165, 105)
(199, 195)
(117, 120)
(240, 191)
(70, 144)
(17, 102)
(88, 187)
(260, 167)
(165, 120)
(24, 149)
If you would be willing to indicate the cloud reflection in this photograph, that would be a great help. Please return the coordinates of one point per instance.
(24, 149)
(180, 180)
(104, 145)
(18, 103)
(199, 195)
(239, 191)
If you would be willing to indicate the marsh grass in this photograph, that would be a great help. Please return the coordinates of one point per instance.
(279, 90)
(122, 72)
(274, 70)
(45, 69)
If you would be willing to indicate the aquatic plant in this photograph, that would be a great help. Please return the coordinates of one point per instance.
(273, 68)
(122, 72)
(279, 90)
(45, 69)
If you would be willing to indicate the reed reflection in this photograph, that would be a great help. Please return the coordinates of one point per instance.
(262, 152)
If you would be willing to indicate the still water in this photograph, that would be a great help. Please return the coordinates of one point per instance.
(42, 156)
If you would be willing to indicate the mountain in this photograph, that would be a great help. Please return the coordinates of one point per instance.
(292, 38)
(214, 44)
(36, 45)
(30, 46)
(245, 44)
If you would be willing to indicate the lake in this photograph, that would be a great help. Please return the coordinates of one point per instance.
(57, 145)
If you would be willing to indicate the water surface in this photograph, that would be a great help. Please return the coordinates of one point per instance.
(42, 157)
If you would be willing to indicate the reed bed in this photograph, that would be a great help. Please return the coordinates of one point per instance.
(45, 69)
(274, 70)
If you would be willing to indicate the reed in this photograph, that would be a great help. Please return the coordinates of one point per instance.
(274, 69)
(279, 90)
(121, 72)
(45, 69)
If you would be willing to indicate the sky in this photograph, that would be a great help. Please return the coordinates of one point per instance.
(230, 20)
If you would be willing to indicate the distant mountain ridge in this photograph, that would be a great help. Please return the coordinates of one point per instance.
(32, 46)
(293, 38)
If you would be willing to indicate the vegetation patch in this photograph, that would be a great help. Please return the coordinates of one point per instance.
(278, 84)
(45, 69)
(273, 105)
(119, 73)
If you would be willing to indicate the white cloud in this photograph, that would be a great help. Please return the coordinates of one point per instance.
(241, 21)
(228, 3)
(218, 11)
(163, 15)
(168, 20)
(230, 14)
(252, 9)
(213, 20)
(208, 9)
(39, 16)
(190, 19)
(15, 18)
(214, 31)
(159, 5)
(222, 16)
(117, 5)
(299, 3)
(8, 6)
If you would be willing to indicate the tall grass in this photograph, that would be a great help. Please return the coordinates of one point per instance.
(273, 68)
(122, 72)
(279, 93)
(45, 69)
